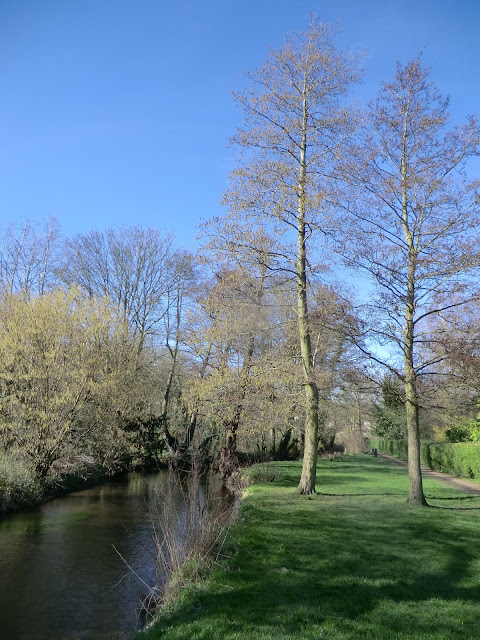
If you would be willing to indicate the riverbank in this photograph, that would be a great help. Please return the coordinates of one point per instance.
(63, 564)
(20, 488)
(352, 562)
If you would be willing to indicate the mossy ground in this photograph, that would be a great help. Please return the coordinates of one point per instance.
(352, 562)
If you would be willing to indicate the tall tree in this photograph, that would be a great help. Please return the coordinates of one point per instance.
(132, 266)
(28, 257)
(415, 223)
(295, 123)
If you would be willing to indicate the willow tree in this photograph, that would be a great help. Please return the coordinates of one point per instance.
(62, 359)
(294, 125)
(414, 228)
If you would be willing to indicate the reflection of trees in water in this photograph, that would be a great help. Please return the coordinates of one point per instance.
(64, 551)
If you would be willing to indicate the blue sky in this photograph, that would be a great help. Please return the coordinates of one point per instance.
(116, 112)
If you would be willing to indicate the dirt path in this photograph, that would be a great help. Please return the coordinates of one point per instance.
(469, 486)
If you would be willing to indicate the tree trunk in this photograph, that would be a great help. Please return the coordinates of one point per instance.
(228, 462)
(309, 468)
(171, 440)
(416, 496)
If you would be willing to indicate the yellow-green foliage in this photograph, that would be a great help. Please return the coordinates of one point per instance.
(59, 353)
(18, 482)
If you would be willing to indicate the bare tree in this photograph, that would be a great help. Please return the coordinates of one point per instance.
(414, 227)
(28, 257)
(131, 266)
(295, 123)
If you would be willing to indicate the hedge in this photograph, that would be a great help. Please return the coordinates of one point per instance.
(397, 448)
(460, 459)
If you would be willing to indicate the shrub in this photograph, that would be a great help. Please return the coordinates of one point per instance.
(262, 473)
(19, 485)
(189, 540)
(461, 459)
(457, 434)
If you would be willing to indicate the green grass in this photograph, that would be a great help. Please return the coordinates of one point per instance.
(352, 562)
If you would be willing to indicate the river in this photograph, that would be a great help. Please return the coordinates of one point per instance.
(76, 568)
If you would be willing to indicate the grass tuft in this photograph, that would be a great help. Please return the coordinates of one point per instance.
(190, 538)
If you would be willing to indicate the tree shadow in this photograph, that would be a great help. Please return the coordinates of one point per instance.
(399, 573)
(273, 601)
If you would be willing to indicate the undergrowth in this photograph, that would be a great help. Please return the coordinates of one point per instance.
(189, 536)
(259, 473)
(19, 484)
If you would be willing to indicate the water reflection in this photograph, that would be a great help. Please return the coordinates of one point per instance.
(61, 577)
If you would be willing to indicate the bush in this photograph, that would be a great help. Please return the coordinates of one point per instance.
(262, 473)
(457, 434)
(19, 485)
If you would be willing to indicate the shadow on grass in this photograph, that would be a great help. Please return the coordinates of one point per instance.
(435, 506)
(454, 498)
(346, 586)
(390, 494)
(308, 569)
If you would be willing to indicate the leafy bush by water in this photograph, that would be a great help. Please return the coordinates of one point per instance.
(19, 485)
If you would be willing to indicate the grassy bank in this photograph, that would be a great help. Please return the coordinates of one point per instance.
(20, 487)
(352, 562)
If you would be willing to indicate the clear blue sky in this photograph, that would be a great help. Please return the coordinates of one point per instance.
(115, 112)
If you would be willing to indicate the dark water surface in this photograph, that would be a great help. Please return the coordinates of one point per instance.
(60, 575)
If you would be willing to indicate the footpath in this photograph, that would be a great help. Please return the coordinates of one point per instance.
(469, 486)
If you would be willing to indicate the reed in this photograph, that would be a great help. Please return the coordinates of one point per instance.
(193, 517)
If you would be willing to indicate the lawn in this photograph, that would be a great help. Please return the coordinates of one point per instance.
(352, 562)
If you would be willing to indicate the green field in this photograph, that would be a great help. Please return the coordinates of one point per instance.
(351, 562)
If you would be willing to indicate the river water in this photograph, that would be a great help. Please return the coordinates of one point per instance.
(78, 567)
